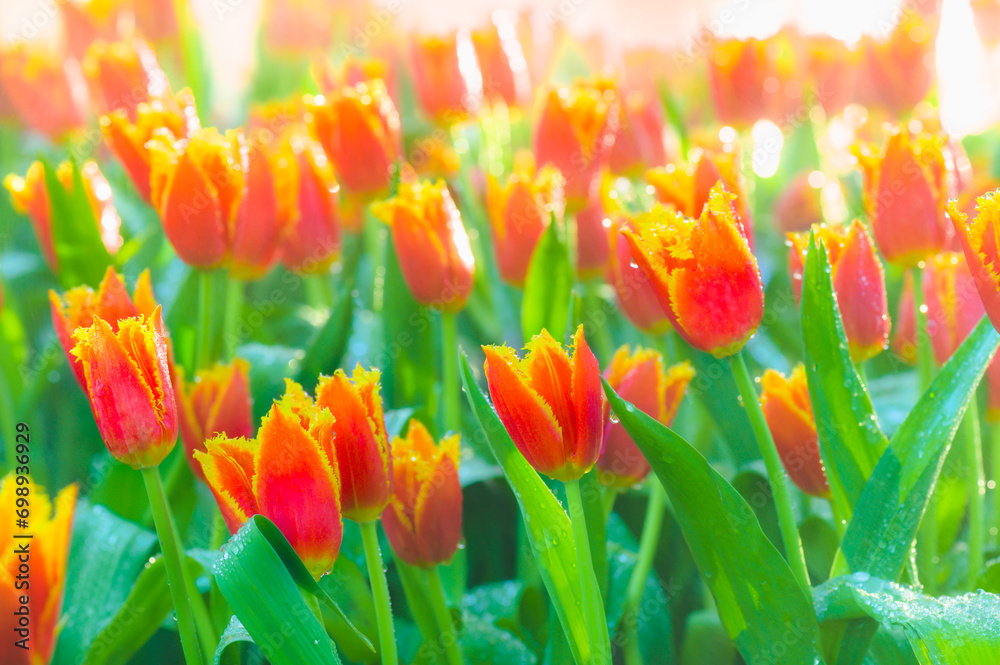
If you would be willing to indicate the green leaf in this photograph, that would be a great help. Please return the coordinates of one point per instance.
(849, 436)
(549, 531)
(759, 601)
(705, 641)
(548, 286)
(234, 634)
(942, 631)
(888, 512)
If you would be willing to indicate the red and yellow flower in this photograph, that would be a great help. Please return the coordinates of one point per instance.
(423, 520)
(446, 76)
(703, 271)
(953, 304)
(788, 411)
(87, 21)
(550, 402)
(636, 294)
(50, 533)
(799, 206)
(858, 281)
(314, 240)
(978, 236)
(501, 60)
(638, 377)
(754, 79)
(123, 75)
(127, 373)
(47, 92)
(898, 72)
(639, 141)
(431, 243)
(216, 402)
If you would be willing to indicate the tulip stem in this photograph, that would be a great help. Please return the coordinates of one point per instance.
(380, 593)
(995, 477)
(450, 416)
(775, 472)
(644, 564)
(204, 320)
(448, 638)
(927, 536)
(169, 545)
(977, 488)
(233, 311)
(584, 561)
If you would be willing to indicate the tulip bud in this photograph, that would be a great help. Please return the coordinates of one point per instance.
(754, 79)
(423, 521)
(446, 76)
(788, 411)
(638, 144)
(640, 378)
(48, 92)
(551, 404)
(501, 60)
(858, 282)
(636, 294)
(123, 75)
(433, 248)
(286, 474)
(979, 242)
(314, 241)
(519, 211)
(703, 272)
(128, 379)
(905, 194)
(216, 402)
(31, 197)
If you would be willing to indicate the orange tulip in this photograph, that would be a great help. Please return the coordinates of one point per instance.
(48, 544)
(800, 206)
(128, 141)
(593, 242)
(78, 307)
(47, 92)
(196, 186)
(754, 79)
(314, 241)
(686, 188)
(501, 60)
(551, 404)
(431, 243)
(638, 377)
(982, 251)
(833, 68)
(31, 197)
(433, 156)
(123, 75)
(358, 128)
(639, 141)
(519, 211)
(898, 72)
(906, 187)
(157, 20)
(636, 294)
(288, 475)
(858, 281)
(788, 411)
(953, 304)
(703, 271)
(446, 76)
(216, 402)
(423, 521)
(575, 132)
(127, 374)
(87, 21)
(298, 26)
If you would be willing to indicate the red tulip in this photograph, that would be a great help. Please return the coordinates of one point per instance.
(897, 73)
(47, 91)
(636, 294)
(638, 144)
(754, 79)
(982, 251)
(501, 60)
(123, 75)
(446, 76)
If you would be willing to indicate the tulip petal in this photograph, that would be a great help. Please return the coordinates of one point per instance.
(228, 465)
(588, 403)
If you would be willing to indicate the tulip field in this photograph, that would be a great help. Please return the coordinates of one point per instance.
(494, 345)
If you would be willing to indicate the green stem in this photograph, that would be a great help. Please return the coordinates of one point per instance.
(595, 322)
(450, 415)
(234, 308)
(204, 320)
(449, 640)
(165, 531)
(927, 536)
(644, 564)
(313, 603)
(380, 593)
(318, 292)
(8, 423)
(584, 561)
(775, 472)
(220, 607)
(610, 496)
(977, 488)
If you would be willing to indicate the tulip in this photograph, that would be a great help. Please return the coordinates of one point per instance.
(703, 272)
(433, 248)
(31, 196)
(905, 195)
(286, 474)
(979, 242)
(800, 206)
(754, 79)
(593, 244)
(299, 27)
(433, 156)
(47, 92)
(575, 132)
(446, 76)
(953, 304)
(898, 72)
(519, 211)
(128, 380)
(79, 306)
(501, 60)
(49, 538)
(686, 188)
(640, 378)
(85, 22)
(423, 520)
(550, 403)
(216, 402)
(636, 294)
(638, 144)
(788, 411)
(358, 128)
(833, 68)
(196, 187)
(123, 75)
(157, 20)
(128, 141)
(858, 281)
(314, 240)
